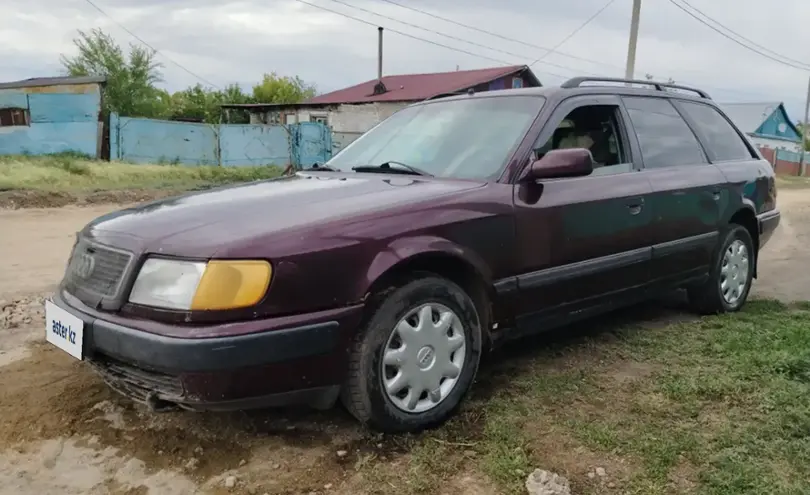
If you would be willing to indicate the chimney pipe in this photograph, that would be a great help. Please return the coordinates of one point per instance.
(379, 52)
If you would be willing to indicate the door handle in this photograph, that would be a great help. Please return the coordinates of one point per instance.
(635, 205)
(716, 194)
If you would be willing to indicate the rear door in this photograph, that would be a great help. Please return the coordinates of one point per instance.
(749, 177)
(687, 189)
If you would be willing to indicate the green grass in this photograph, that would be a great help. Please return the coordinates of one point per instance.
(718, 406)
(73, 173)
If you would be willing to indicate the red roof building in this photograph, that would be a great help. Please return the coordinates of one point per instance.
(418, 87)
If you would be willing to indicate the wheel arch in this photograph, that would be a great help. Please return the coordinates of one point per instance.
(746, 217)
(439, 257)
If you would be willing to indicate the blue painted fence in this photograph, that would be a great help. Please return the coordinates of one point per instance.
(157, 141)
(58, 122)
(792, 156)
(139, 140)
(254, 144)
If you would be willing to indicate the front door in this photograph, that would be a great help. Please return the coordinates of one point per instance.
(583, 242)
(686, 201)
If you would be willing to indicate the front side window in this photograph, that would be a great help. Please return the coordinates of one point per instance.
(469, 138)
(665, 138)
(596, 128)
(724, 142)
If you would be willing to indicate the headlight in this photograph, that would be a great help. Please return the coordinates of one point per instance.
(190, 285)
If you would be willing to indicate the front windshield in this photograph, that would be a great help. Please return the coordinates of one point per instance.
(468, 138)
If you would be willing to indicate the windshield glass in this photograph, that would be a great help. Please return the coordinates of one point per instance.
(468, 138)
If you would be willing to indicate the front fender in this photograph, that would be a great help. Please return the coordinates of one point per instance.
(410, 249)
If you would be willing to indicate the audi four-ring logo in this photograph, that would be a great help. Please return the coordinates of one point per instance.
(84, 265)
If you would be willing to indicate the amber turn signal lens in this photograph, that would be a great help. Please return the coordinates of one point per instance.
(232, 284)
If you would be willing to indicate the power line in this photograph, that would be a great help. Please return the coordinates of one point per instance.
(525, 43)
(405, 34)
(148, 45)
(741, 36)
(496, 35)
(484, 31)
(753, 49)
(448, 36)
(574, 32)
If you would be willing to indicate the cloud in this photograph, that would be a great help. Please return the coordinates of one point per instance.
(224, 42)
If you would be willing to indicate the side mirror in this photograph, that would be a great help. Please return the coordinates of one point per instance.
(572, 162)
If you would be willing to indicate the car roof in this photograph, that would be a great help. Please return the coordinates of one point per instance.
(600, 86)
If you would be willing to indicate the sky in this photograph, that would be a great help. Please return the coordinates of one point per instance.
(219, 42)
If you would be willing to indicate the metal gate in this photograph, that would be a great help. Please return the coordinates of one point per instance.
(312, 143)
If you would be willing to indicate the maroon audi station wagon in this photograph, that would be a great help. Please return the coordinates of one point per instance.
(380, 277)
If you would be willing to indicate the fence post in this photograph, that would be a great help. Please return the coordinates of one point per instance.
(295, 141)
(217, 144)
(115, 136)
(327, 142)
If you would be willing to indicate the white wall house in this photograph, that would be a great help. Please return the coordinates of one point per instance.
(348, 121)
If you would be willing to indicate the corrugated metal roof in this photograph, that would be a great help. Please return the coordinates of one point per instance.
(53, 81)
(749, 116)
(417, 87)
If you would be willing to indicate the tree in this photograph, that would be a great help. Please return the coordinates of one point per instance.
(130, 88)
(277, 89)
(800, 126)
(199, 103)
(131, 83)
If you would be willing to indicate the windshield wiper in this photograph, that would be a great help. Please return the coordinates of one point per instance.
(322, 168)
(386, 167)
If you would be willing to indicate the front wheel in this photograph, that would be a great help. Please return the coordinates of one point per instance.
(416, 358)
(731, 275)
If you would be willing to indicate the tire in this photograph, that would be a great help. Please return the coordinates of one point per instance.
(709, 297)
(364, 393)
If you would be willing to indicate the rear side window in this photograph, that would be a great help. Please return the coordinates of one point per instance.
(721, 138)
(665, 138)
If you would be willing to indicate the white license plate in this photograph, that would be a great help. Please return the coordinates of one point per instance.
(64, 330)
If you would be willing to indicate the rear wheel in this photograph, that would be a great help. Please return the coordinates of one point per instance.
(416, 358)
(730, 279)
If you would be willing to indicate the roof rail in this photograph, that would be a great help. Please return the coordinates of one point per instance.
(448, 95)
(576, 82)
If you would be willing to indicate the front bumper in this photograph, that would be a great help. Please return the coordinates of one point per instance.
(302, 363)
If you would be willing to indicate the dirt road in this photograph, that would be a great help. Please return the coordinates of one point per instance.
(62, 430)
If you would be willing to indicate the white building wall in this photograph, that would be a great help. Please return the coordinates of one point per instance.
(349, 118)
(774, 143)
(348, 122)
(360, 118)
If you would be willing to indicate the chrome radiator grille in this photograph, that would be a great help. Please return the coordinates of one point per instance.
(96, 271)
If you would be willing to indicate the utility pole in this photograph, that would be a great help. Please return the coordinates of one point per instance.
(631, 46)
(805, 128)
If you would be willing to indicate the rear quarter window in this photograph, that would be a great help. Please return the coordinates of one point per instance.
(721, 138)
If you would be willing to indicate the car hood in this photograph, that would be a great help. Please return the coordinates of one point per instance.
(203, 223)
